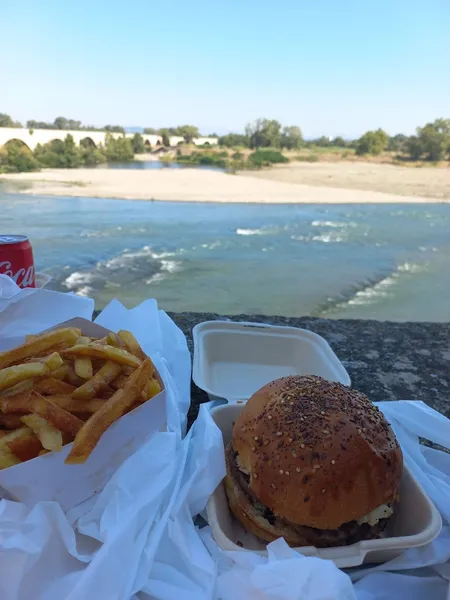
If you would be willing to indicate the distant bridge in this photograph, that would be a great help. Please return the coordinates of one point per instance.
(33, 137)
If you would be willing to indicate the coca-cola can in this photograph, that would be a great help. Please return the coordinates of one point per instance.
(16, 259)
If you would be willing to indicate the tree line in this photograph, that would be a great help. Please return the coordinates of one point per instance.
(16, 157)
(431, 142)
(188, 132)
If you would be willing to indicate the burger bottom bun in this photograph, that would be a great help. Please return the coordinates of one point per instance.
(251, 516)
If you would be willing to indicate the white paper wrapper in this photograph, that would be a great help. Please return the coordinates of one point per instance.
(137, 538)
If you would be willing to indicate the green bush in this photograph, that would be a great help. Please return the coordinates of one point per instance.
(372, 142)
(118, 149)
(237, 156)
(137, 143)
(15, 157)
(266, 156)
(92, 156)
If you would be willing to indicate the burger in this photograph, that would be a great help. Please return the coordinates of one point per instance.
(314, 462)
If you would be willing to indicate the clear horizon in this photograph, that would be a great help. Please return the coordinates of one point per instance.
(334, 69)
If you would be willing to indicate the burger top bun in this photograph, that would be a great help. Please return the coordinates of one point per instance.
(318, 453)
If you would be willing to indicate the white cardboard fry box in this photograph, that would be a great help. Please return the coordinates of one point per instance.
(47, 477)
(234, 359)
(415, 522)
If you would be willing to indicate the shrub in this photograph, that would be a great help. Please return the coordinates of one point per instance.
(267, 156)
(372, 142)
(15, 157)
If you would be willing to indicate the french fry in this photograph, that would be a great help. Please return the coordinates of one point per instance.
(119, 381)
(44, 354)
(15, 404)
(22, 442)
(10, 376)
(106, 393)
(50, 386)
(99, 382)
(74, 406)
(48, 435)
(83, 366)
(91, 431)
(42, 343)
(114, 340)
(150, 390)
(117, 355)
(11, 421)
(17, 389)
(131, 344)
(7, 458)
(60, 372)
(72, 377)
(54, 414)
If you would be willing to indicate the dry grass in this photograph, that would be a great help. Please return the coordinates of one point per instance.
(385, 177)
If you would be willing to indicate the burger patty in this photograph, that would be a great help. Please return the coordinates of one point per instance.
(346, 534)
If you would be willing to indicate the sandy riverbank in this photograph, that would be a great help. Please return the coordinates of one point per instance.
(296, 183)
(431, 182)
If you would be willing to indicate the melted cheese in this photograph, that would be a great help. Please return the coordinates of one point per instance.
(381, 512)
(240, 467)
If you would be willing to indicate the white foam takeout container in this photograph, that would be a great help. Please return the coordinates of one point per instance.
(415, 522)
(233, 360)
(47, 477)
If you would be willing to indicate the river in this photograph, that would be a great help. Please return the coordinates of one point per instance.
(356, 261)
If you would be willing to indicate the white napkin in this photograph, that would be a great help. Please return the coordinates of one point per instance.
(32, 310)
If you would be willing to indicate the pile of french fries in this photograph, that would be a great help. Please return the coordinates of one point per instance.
(61, 386)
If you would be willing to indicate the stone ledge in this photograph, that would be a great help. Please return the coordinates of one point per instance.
(385, 360)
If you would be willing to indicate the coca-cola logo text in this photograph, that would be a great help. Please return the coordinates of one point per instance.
(24, 277)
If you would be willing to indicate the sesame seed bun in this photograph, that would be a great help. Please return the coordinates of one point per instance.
(317, 454)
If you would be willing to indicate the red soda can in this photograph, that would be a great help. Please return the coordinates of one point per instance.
(16, 259)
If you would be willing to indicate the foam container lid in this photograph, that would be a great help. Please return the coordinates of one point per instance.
(415, 522)
(232, 360)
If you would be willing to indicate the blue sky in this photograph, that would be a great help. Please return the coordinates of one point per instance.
(333, 67)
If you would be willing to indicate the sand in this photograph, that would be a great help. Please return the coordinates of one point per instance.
(339, 183)
(386, 178)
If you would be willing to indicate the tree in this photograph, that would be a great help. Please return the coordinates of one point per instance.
(63, 123)
(372, 142)
(165, 135)
(71, 153)
(114, 128)
(189, 132)
(150, 131)
(413, 147)
(264, 133)
(322, 142)
(397, 142)
(6, 121)
(435, 139)
(291, 138)
(32, 124)
(90, 156)
(59, 154)
(15, 157)
(118, 149)
(231, 140)
(137, 143)
(339, 142)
